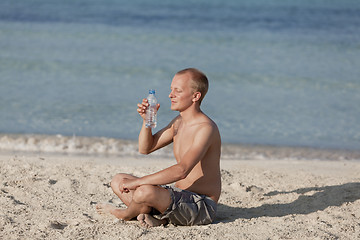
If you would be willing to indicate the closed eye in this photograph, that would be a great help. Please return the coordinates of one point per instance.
(176, 90)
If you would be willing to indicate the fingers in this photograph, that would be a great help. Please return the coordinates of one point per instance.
(124, 189)
(142, 106)
(141, 110)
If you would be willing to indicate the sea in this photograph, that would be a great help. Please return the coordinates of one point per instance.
(283, 74)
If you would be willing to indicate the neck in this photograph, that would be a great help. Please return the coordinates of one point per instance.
(190, 113)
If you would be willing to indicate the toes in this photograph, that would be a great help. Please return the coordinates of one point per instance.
(142, 220)
(141, 217)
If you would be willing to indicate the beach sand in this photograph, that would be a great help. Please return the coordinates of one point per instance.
(44, 196)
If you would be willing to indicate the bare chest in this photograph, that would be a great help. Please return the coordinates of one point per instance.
(183, 141)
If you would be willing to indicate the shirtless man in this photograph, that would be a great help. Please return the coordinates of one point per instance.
(196, 144)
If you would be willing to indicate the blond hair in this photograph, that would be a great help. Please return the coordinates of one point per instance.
(200, 82)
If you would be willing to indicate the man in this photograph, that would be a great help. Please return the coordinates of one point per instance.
(196, 144)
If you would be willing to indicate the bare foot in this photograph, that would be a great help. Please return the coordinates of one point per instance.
(107, 209)
(147, 220)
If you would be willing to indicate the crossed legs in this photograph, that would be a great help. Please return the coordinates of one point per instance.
(139, 202)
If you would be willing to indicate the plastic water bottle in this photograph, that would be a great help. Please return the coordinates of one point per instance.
(150, 118)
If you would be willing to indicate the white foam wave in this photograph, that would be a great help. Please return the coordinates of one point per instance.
(69, 145)
(119, 147)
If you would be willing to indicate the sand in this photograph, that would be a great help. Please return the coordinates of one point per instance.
(45, 196)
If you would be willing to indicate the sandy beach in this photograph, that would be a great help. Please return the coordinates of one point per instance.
(46, 196)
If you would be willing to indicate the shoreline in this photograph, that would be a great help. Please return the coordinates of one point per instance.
(102, 146)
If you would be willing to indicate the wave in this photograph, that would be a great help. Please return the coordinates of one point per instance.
(67, 144)
(120, 147)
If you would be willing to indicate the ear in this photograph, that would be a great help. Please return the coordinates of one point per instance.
(197, 96)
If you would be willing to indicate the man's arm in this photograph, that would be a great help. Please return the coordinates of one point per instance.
(196, 152)
(147, 141)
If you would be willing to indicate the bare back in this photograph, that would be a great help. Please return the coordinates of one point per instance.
(205, 177)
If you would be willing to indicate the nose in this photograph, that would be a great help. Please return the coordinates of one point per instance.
(171, 95)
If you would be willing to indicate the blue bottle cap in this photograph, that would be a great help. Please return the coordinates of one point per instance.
(151, 91)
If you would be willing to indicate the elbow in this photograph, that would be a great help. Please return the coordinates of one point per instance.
(183, 176)
(182, 173)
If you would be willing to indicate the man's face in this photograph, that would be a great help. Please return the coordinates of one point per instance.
(181, 94)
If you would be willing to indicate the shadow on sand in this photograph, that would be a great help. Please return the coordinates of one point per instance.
(322, 198)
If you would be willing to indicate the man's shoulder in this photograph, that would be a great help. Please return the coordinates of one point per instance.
(207, 122)
(208, 128)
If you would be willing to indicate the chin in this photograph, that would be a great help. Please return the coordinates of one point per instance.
(173, 107)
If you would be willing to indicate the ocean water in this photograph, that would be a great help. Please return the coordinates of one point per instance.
(282, 73)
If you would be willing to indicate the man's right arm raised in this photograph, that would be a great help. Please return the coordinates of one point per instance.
(149, 142)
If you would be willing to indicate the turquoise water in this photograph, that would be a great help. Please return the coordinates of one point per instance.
(281, 73)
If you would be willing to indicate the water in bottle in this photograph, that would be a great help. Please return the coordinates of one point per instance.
(150, 119)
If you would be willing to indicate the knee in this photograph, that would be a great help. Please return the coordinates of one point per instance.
(144, 194)
(116, 181)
